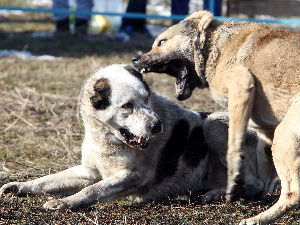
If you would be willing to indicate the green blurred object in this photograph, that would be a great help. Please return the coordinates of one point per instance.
(72, 19)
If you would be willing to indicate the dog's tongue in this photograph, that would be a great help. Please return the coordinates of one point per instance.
(140, 141)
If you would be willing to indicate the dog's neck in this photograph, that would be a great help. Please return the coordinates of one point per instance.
(218, 34)
(202, 56)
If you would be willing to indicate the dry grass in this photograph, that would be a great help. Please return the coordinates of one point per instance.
(39, 121)
(40, 132)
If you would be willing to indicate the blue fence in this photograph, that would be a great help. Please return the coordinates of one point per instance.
(147, 16)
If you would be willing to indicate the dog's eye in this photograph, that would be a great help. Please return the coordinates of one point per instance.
(127, 105)
(161, 42)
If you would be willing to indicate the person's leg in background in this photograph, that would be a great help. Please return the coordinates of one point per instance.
(61, 19)
(179, 7)
(217, 8)
(135, 6)
(82, 20)
(130, 26)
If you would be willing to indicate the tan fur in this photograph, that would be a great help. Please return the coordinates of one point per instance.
(205, 19)
(250, 68)
(255, 70)
(285, 151)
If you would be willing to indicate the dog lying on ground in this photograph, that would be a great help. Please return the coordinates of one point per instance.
(142, 145)
(248, 67)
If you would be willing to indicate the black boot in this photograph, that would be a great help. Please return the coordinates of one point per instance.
(62, 26)
(81, 27)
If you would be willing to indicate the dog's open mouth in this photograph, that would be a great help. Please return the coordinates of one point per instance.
(134, 141)
(181, 71)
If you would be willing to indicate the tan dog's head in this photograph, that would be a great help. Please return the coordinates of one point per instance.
(118, 98)
(172, 53)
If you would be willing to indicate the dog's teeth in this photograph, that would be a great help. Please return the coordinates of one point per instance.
(144, 71)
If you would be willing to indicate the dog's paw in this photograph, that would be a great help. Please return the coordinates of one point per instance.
(235, 189)
(248, 222)
(212, 196)
(56, 204)
(17, 188)
(234, 193)
(250, 191)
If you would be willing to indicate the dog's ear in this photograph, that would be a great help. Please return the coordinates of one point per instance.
(205, 19)
(202, 19)
(101, 99)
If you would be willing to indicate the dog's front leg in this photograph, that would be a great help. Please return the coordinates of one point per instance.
(111, 188)
(70, 180)
(241, 88)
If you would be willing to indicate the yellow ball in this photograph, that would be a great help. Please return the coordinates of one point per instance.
(101, 23)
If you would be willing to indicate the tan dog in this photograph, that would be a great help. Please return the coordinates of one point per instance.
(285, 151)
(250, 68)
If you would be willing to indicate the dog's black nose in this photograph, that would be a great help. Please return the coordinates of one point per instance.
(156, 128)
(135, 59)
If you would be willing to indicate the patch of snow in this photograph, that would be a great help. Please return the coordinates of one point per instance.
(158, 7)
(27, 55)
(7, 13)
(39, 3)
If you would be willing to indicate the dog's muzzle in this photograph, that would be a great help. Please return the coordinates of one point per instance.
(133, 140)
(140, 142)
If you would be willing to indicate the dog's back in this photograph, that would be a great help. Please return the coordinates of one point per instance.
(272, 56)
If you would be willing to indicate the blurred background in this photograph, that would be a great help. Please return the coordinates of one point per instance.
(45, 56)
(154, 14)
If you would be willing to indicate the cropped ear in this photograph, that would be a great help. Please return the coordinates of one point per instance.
(203, 18)
(101, 99)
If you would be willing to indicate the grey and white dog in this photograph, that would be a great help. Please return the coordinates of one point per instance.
(141, 145)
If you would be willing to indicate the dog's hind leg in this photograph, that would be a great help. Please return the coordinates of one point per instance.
(241, 90)
(286, 156)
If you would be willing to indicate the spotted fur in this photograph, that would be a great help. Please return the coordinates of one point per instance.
(101, 99)
(185, 154)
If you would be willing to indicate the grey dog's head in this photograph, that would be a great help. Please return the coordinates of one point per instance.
(172, 53)
(118, 98)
